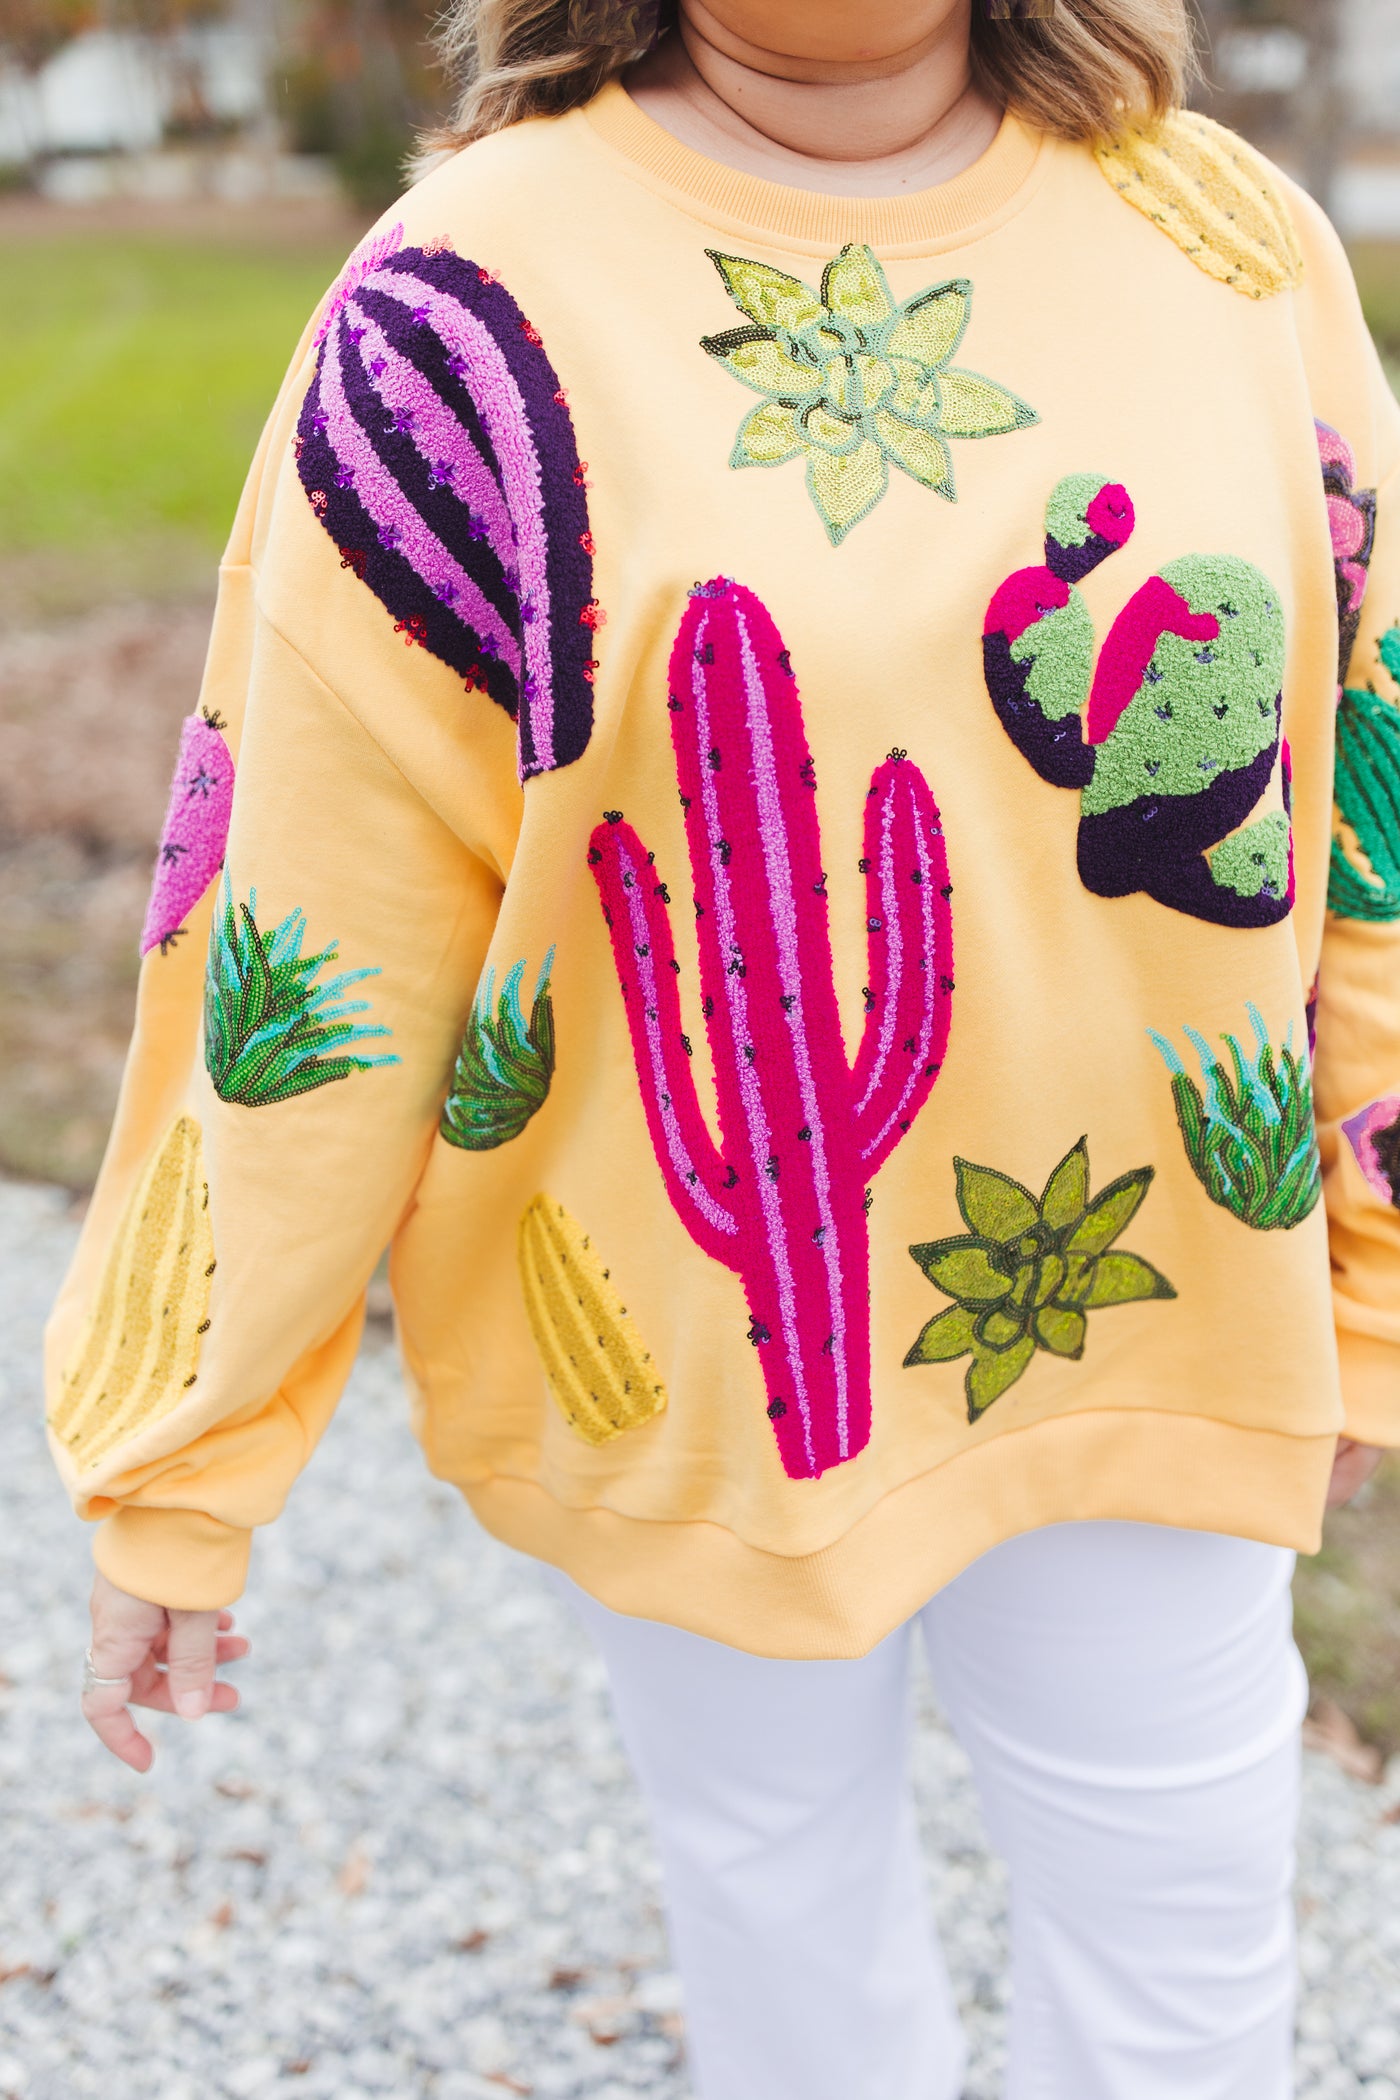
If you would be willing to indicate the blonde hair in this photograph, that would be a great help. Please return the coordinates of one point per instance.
(1082, 71)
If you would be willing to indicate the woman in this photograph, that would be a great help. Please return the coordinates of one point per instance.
(589, 932)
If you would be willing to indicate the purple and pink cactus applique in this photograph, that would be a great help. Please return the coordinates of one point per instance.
(436, 447)
(782, 1198)
(1351, 520)
(194, 836)
(1374, 1136)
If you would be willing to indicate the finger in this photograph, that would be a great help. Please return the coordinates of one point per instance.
(156, 1695)
(105, 1712)
(232, 1647)
(189, 1653)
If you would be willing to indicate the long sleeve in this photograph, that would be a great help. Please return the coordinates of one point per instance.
(1357, 1081)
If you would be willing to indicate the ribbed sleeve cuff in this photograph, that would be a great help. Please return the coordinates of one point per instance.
(1370, 1388)
(180, 1558)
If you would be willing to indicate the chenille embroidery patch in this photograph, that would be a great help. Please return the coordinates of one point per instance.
(1363, 880)
(195, 832)
(436, 448)
(1248, 1125)
(1172, 735)
(272, 1027)
(1029, 1270)
(1374, 1136)
(1211, 194)
(1351, 524)
(781, 1200)
(138, 1353)
(853, 381)
(505, 1064)
(599, 1369)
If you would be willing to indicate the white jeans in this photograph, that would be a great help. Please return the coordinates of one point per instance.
(1130, 1698)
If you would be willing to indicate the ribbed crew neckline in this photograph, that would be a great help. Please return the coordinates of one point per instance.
(778, 210)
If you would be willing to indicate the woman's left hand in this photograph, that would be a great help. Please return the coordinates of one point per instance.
(1351, 1469)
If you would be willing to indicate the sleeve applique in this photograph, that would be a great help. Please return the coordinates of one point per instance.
(1172, 734)
(599, 1369)
(1213, 195)
(1248, 1126)
(505, 1064)
(1364, 878)
(436, 448)
(782, 1201)
(271, 1031)
(1374, 1136)
(1351, 522)
(854, 382)
(195, 833)
(1028, 1271)
(138, 1352)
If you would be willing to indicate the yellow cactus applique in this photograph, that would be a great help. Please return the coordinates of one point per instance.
(854, 380)
(599, 1369)
(138, 1353)
(1211, 194)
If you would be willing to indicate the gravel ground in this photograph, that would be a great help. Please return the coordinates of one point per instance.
(414, 1864)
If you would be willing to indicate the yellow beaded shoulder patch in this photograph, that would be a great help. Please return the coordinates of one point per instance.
(138, 1353)
(599, 1369)
(1211, 194)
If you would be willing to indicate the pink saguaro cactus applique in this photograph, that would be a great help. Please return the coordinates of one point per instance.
(782, 1199)
(195, 832)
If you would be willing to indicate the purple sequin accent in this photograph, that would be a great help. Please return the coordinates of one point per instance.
(441, 454)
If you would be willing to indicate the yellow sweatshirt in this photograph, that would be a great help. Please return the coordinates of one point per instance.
(781, 783)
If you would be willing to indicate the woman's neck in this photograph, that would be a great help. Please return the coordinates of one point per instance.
(856, 128)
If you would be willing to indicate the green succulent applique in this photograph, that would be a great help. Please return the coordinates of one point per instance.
(1248, 1127)
(853, 379)
(505, 1064)
(1027, 1274)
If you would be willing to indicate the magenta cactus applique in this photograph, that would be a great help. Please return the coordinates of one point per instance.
(195, 833)
(436, 448)
(1351, 522)
(782, 1199)
(1374, 1136)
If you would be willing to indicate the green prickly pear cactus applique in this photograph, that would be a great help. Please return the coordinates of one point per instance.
(1364, 878)
(271, 1031)
(505, 1064)
(1029, 1270)
(853, 380)
(1248, 1127)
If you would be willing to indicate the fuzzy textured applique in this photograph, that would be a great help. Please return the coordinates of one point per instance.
(1363, 881)
(781, 1200)
(504, 1066)
(138, 1352)
(1248, 1126)
(436, 447)
(853, 381)
(1374, 1136)
(1172, 736)
(1351, 524)
(1211, 194)
(1028, 1271)
(599, 1369)
(271, 1031)
(195, 832)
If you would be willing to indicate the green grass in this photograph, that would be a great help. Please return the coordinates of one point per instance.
(135, 375)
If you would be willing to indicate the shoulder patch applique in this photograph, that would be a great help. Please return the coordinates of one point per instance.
(270, 1029)
(138, 1352)
(1211, 194)
(854, 382)
(505, 1064)
(1171, 730)
(1248, 1125)
(1029, 1270)
(781, 1199)
(599, 1369)
(195, 832)
(436, 447)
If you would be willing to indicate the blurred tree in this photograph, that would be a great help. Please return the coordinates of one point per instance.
(357, 82)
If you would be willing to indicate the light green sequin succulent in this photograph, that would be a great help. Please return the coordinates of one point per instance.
(853, 380)
(1027, 1273)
